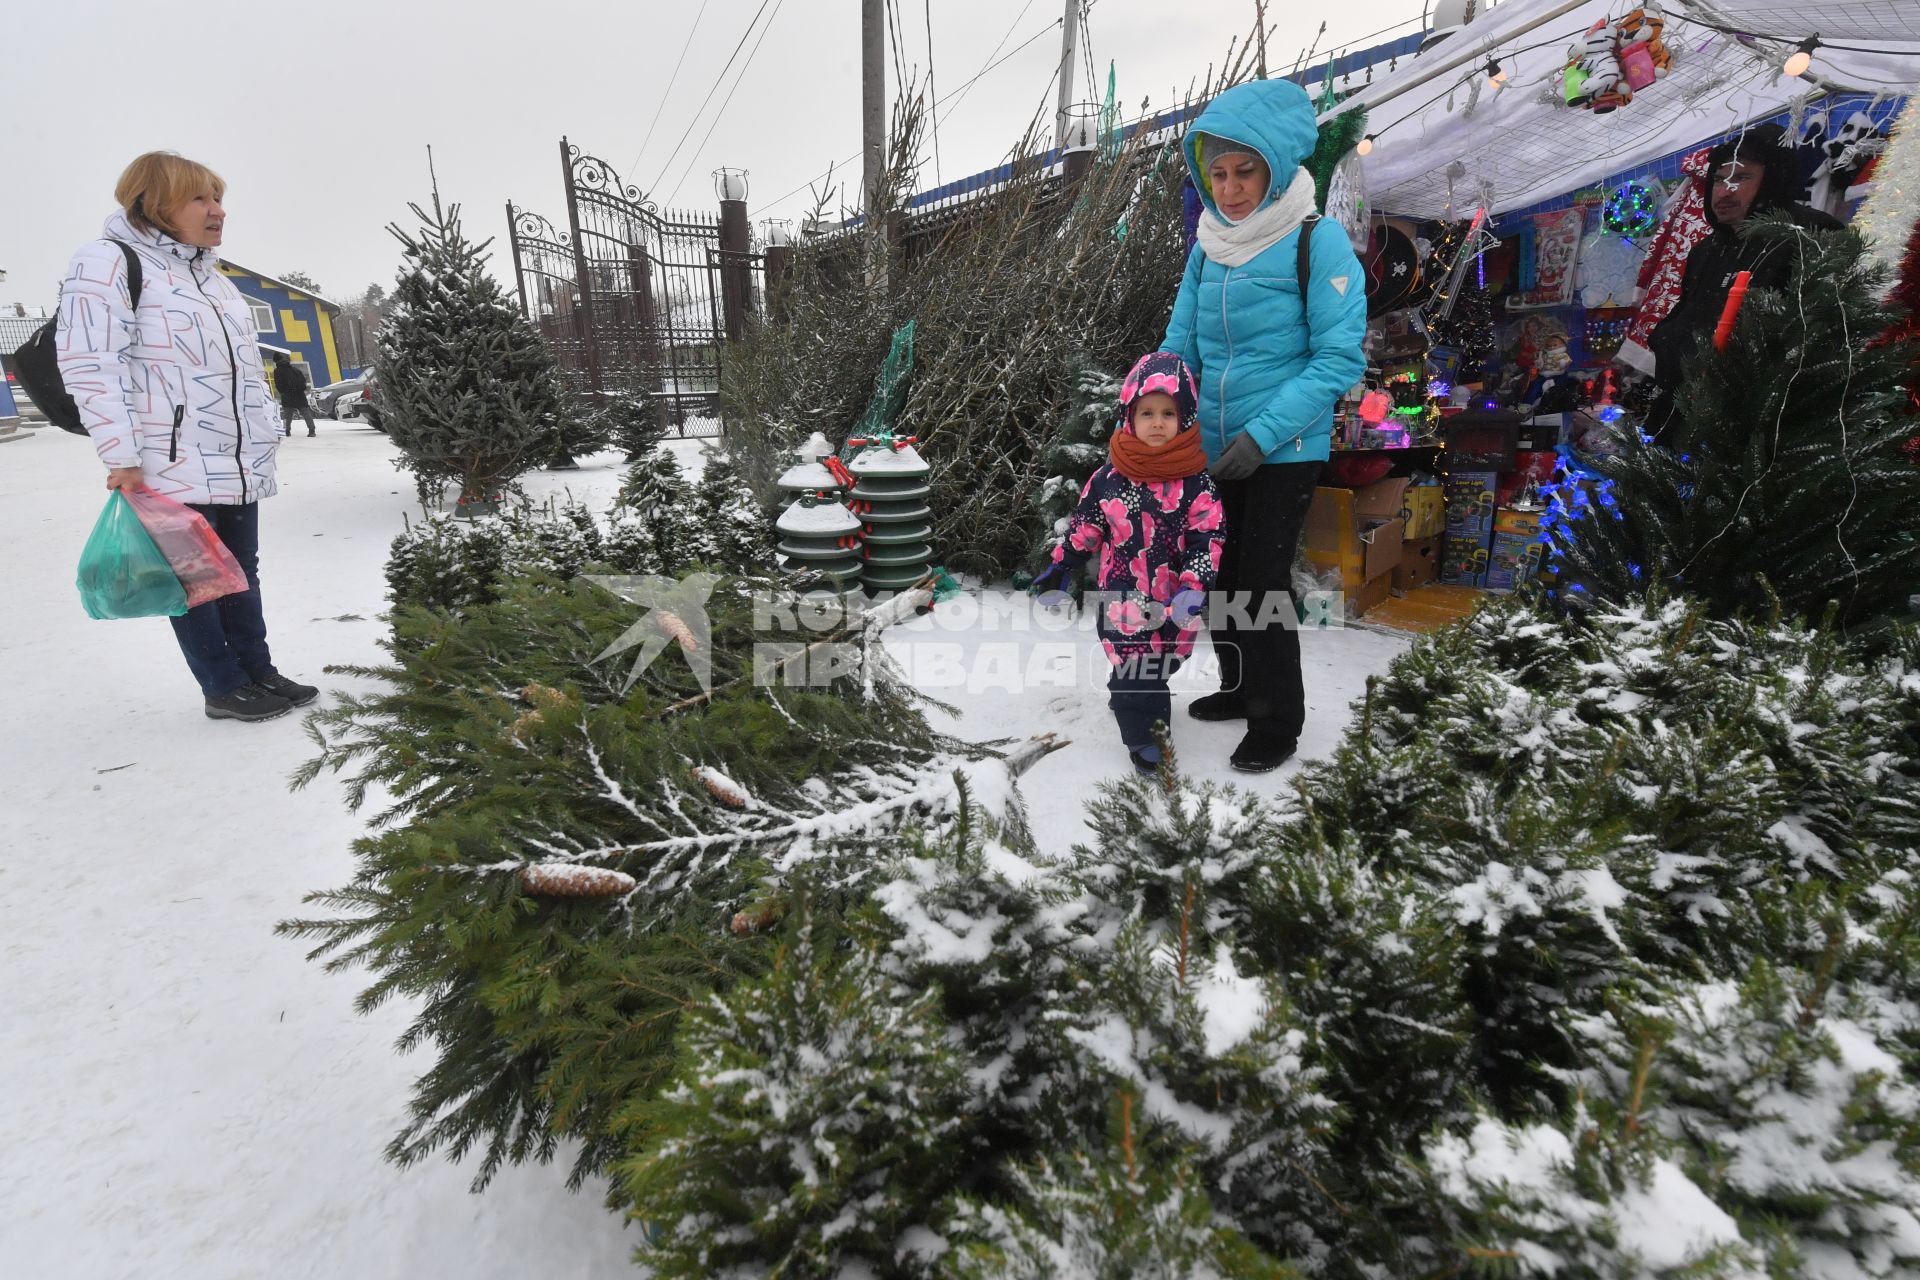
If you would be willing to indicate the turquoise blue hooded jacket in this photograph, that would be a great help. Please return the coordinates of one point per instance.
(1265, 364)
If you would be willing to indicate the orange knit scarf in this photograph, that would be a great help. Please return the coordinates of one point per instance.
(1142, 463)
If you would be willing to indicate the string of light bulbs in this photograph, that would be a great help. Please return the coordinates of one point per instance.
(1496, 77)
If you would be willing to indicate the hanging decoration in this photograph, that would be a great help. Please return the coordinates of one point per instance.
(1613, 60)
(1450, 260)
(1632, 209)
(1393, 266)
(1684, 226)
(1891, 212)
(1347, 200)
(1847, 163)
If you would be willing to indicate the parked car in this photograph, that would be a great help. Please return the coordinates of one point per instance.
(327, 398)
(360, 404)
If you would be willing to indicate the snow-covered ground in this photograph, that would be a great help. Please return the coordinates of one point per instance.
(191, 1097)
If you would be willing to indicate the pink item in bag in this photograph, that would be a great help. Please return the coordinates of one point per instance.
(206, 569)
(1637, 61)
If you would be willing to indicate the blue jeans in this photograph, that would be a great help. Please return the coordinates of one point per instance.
(225, 640)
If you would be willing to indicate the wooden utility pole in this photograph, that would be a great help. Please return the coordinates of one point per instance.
(873, 98)
(1069, 37)
(873, 132)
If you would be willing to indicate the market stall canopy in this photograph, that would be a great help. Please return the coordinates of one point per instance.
(1447, 140)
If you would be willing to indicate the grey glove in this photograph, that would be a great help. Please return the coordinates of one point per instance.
(1239, 460)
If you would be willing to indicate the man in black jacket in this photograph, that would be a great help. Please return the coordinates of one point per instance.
(1754, 173)
(291, 386)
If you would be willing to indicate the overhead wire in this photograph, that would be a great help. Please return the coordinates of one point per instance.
(991, 63)
(691, 160)
(1086, 52)
(959, 93)
(711, 90)
(665, 93)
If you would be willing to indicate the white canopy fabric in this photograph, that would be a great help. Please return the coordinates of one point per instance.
(1451, 143)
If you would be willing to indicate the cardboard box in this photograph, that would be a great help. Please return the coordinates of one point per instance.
(1463, 558)
(1516, 552)
(1382, 500)
(1419, 563)
(1470, 501)
(1372, 592)
(1424, 509)
(1357, 531)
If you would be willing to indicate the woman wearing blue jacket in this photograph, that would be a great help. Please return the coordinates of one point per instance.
(1271, 353)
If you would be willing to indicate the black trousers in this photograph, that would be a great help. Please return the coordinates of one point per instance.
(1264, 516)
(1137, 695)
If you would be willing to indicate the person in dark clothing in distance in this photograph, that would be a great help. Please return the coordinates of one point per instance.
(1749, 175)
(290, 384)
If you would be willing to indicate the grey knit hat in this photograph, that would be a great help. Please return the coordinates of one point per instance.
(1213, 147)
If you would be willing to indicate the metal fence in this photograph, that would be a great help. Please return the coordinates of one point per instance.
(635, 300)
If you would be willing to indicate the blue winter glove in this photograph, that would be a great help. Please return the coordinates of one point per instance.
(1239, 460)
(1054, 577)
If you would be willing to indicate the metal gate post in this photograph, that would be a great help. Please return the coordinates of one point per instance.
(513, 239)
(584, 282)
(735, 246)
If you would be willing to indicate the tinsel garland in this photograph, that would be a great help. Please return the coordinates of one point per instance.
(1889, 214)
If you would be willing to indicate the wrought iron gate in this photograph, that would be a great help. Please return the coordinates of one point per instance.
(632, 300)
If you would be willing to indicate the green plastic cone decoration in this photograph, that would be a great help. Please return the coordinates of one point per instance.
(818, 470)
(818, 534)
(889, 498)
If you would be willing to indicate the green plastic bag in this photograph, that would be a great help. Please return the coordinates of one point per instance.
(122, 573)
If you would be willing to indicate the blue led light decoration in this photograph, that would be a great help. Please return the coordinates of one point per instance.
(1632, 210)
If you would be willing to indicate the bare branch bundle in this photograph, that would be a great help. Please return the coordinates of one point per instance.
(1010, 292)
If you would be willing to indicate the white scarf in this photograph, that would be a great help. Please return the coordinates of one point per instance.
(1235, 244)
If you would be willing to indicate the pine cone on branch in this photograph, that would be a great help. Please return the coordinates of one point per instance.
(721, 787)
(569, 880)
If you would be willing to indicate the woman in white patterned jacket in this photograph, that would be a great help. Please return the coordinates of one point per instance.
(175, 399)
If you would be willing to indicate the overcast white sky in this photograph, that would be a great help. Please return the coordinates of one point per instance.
(318, 116)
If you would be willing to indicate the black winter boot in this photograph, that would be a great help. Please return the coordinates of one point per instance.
(249, 702)
(1227, 704)
(295, 693)
(1263, 750)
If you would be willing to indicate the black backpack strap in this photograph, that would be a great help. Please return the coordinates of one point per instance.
(134, 275)
(1303, 269)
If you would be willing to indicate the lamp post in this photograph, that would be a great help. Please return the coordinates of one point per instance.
(779, 241)
(736, 248)
(1079, 139)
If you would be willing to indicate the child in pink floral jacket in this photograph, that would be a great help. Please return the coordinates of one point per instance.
(1154, 519)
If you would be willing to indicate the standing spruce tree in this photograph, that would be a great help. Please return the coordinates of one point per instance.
(469, 392)
(1790, 475)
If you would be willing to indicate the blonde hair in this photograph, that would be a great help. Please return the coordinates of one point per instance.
(159, 182)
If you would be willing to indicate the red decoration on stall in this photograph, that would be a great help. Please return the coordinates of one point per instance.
(1684, 226)
(1731, 312)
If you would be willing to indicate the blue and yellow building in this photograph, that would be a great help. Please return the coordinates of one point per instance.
(292, 320)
